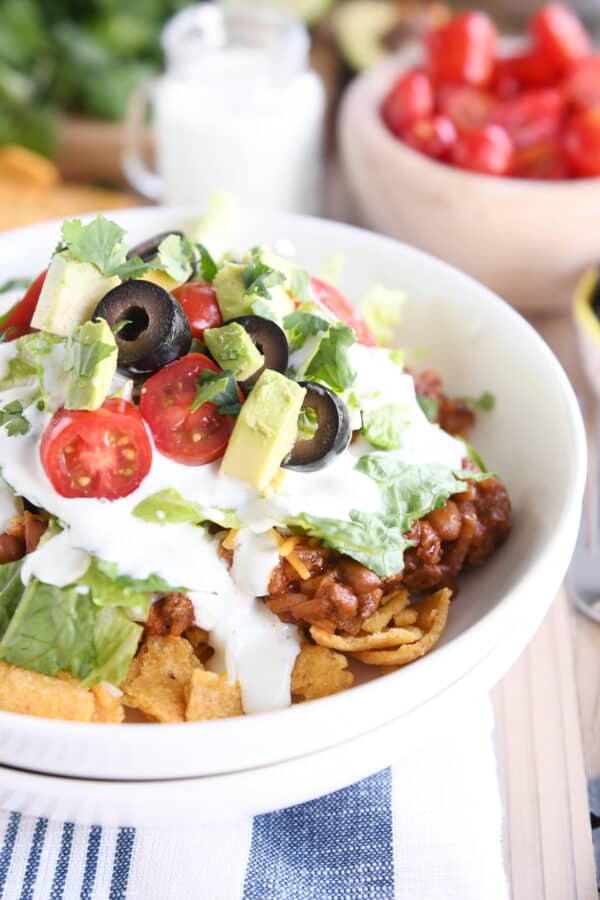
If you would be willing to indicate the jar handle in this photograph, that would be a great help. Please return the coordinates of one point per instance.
(137, 173)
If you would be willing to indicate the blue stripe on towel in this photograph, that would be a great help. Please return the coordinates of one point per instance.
(122, 864)
(10, 837)
(33, 860)
(62, 862)
(338, 847)
(91, 863)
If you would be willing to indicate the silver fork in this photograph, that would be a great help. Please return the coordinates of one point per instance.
(583, 578)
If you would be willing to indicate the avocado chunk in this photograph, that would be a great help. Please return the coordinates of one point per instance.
(236, 300)
(90, 362)
(265, 430)
(162, 279)
(70, 294)
(233, 349)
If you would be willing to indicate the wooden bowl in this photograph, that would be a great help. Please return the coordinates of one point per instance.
(527, 240)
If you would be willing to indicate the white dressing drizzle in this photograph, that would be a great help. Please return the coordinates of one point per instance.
(9, 506)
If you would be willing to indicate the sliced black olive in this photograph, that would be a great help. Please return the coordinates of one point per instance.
(270, 340)
(148, 249)
(332, 435)
(155, 330)
(595, 298)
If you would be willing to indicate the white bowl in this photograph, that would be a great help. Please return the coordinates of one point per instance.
(527, 240)
(534, 438)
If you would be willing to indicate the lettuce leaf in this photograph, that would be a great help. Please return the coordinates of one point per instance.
(408, 492)
(383, 426)
(168, 507)
(330, 362)
(11, 591)
(381, 309)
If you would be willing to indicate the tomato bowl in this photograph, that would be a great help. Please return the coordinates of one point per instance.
(134, 773)
(528, 240)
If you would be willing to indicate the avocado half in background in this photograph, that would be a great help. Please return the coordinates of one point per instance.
(367, 30)
(586, 312)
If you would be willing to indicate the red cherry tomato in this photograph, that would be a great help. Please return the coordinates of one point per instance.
(559, 34)
(582, 87)
(581, 142)
(410, 98)
(543, 161)
(525, 70)
(466, 107)
(104, 453)
(199, 301)
(330, 298)
(488, 150)
(190, 438)
(433, 136)
(463, 51)
(19, 318)
(535, 116)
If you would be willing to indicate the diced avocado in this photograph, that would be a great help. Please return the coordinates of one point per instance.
(157, 276)
(363, 28)
(265, 430)
(91, 362)
(233, 349)
(71, 293)
(234, 300)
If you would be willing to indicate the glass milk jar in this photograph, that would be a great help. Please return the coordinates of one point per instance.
(238, 110)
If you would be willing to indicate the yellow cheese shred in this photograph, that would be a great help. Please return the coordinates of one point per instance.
(229, 540)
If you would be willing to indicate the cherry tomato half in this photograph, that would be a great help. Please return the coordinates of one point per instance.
(19, 318)
(329, 297)
(488, 150)
(582, 87)
(535, 116)
(541, 161)
(410, 98)
(199, 301)
(466, 107)
(463, 51)
(433, 136)
(524, 70)
(560, 36)
(190, 438)
(581, 142)
(103, 453)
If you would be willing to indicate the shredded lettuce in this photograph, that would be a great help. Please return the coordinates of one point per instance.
(383, 426)
(408, 492)
(26, 369)
(484, 403)
(381, 309)
(429, 406)
(11, 591)
(169, 507)
(330, 362)
(302, 324)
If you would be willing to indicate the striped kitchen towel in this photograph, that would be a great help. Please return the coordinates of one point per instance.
(428, 828)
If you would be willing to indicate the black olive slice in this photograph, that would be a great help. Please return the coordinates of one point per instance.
(332, 435)
(270, 340)
(148, 249)
(595, 298)
(156, 329)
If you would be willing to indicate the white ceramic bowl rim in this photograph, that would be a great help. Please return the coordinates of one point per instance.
(496, 621)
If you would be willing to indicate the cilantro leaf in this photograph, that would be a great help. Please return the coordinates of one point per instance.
(175, 257)
(83, 359)
(330, 363)
(429, 406)
(100, 243)
(384, 425)
(308, 424)
(485, 402)
(12, 418)
(13, 284)
(219, 388)
(206, 264)
(302, 324)
(259, 277)
(169, 507)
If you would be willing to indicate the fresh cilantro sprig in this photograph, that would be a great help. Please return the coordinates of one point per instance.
(12, 418)
(484, 403)
(302, 324)
(100, 243)
(429, 406)
(259, 277)
(219, 388)
(83, 359)
(206, 264)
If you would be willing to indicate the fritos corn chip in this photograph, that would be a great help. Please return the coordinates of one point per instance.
(48, 696)
(211, 696)
(391, 605)
(157, 677)
(107, 706)
(432, 613)
(319, 672)
(392, 637)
